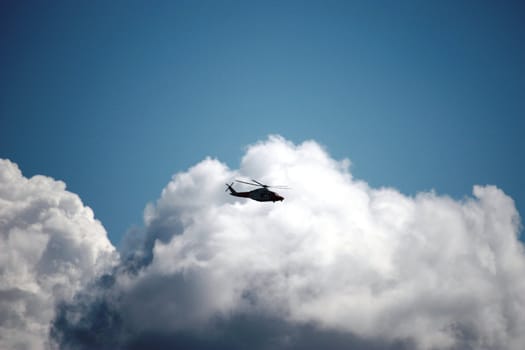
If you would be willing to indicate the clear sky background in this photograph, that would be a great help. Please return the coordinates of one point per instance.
(115, 97)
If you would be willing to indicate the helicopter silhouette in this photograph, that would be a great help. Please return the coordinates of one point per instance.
(261, 194)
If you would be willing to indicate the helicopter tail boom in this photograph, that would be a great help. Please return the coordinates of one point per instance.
(235, 193)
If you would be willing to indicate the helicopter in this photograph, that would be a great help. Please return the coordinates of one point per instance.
(262, 194)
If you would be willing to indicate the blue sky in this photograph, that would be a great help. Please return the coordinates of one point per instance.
(115, 97)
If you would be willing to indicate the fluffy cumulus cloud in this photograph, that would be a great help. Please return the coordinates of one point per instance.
(427, 271)
(50, 247)
(337, 265)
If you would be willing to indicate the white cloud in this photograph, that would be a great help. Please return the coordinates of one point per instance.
(338, 263)
(336, 253)
(50, 247)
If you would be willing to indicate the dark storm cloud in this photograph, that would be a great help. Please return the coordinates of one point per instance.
(101, 326)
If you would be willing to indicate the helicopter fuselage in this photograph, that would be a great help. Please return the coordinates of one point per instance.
(260, 195)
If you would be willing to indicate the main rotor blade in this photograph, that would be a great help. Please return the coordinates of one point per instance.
(280, 187)
(248, 183)
(260, 184)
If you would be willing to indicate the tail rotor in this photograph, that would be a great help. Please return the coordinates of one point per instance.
(230, 188)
